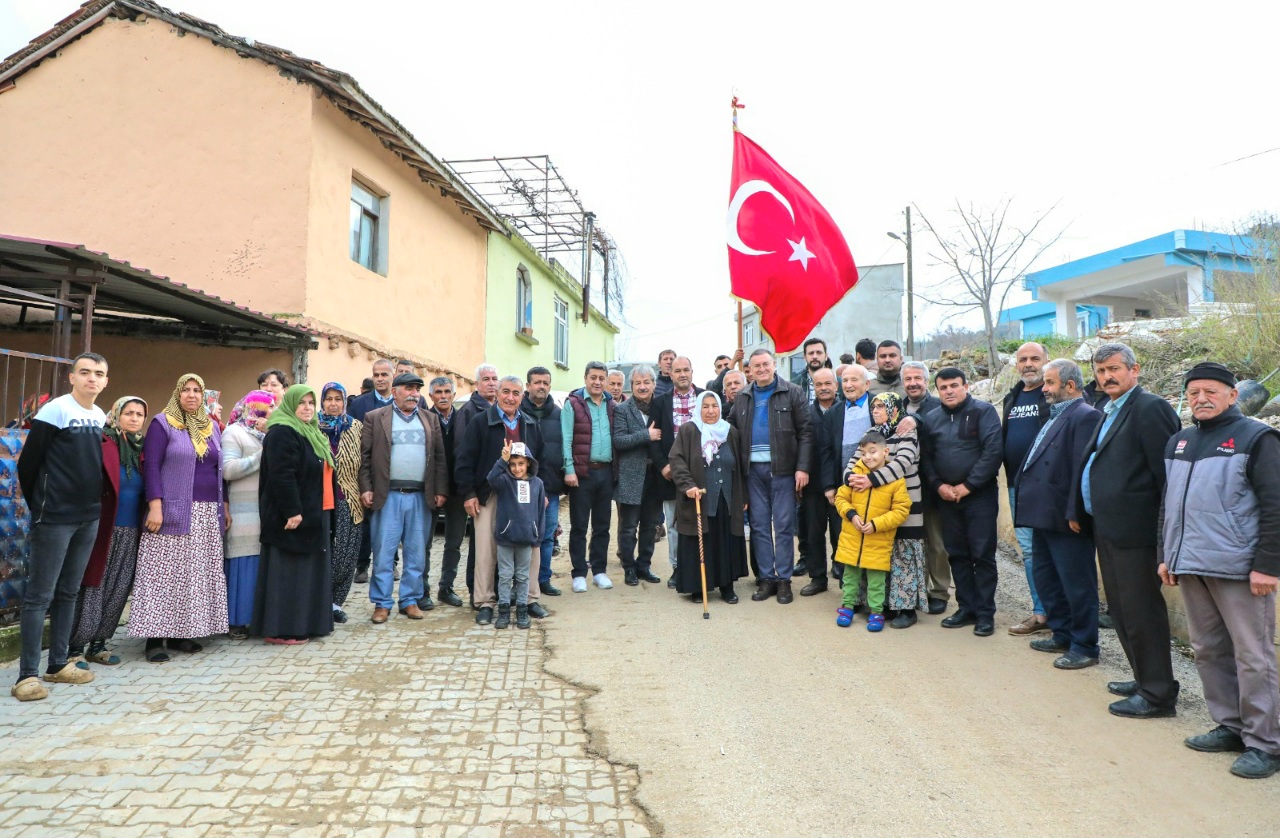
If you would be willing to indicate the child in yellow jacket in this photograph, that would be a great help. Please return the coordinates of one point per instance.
(872, 518)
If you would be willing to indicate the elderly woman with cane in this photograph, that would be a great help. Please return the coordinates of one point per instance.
(709, 469)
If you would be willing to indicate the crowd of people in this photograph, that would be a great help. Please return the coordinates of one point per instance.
(261, 527)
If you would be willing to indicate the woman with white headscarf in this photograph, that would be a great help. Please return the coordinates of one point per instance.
(707, 461)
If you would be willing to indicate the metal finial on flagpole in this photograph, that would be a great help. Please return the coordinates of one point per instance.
(737, 106)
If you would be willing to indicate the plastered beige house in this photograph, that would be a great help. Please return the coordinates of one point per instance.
(254, 174)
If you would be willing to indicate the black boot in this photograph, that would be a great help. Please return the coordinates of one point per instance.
(522, 616)
(766, 590)
(728, 594)
(504, 616)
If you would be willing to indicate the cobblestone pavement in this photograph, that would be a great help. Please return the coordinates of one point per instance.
(416, 728)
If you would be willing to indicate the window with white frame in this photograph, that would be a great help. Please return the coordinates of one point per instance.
(748, 332)
(1082, 323)
(367, 228)
(524, 301)
(562, 332)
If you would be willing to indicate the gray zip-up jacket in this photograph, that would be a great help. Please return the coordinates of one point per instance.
(1221, 510)
(631, 448)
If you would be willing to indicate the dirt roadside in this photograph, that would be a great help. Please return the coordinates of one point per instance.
(771, 720)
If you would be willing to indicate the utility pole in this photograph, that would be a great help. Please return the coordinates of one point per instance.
(911, 297)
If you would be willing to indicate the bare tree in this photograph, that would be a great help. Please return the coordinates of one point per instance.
(986, 256)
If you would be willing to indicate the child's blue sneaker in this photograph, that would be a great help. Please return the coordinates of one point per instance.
(844, 617)
(875, 622)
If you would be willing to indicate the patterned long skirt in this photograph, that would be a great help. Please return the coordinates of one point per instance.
(180, 590)
(908, 585)
(344, 552)
(98, 609)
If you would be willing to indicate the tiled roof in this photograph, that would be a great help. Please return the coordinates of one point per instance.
(342, 89)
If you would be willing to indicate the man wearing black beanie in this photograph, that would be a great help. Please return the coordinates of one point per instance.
(1220, 543)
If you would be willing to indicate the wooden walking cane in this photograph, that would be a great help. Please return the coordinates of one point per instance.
(702, 559)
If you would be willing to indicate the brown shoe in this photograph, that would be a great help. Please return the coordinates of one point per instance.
(413, 612)
(29, 689)
(1029, 626)
(784, 592)
(69, 674)
(380, 615)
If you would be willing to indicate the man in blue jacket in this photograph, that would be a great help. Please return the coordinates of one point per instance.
(1045, 501)
(962, 457)
(1220, 543)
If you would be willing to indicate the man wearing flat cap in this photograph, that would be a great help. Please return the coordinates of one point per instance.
(404, 478)
(1220, 543)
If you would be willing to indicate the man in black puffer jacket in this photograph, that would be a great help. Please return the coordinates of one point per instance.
(962, 456)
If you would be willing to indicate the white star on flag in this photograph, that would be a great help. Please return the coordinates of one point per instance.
(800, 253)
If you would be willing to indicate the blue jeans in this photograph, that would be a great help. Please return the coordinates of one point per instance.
(1023, 535)
(402, 521)
(772, 501)
(59, 555)
(550, 520)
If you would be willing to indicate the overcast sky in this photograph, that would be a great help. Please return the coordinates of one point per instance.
(1126, 115)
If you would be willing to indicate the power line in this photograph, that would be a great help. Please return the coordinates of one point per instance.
(1247, 157)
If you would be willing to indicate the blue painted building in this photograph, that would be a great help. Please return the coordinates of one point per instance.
(1163, 276)
(1040, 320)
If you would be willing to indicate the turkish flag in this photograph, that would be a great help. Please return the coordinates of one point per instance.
(786, 254)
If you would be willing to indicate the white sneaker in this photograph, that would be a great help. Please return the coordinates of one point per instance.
(602, 582)
(579, 584)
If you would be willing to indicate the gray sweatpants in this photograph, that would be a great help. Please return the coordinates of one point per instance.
(513, 571)
(1232, 633)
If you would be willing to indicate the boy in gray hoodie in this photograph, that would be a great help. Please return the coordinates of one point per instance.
(517, 528)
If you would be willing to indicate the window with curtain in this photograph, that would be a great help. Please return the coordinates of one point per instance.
(524, 301)
(366, 218)
(562, 332)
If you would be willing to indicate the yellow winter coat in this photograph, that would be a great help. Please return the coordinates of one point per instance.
(886, 507)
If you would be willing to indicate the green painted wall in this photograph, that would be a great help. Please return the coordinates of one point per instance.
(512, 354)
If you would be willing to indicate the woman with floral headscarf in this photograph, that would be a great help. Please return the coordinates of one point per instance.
(292, 603)
(109, 577)
(241, 458)
(180, 592)
(708, 463)
(908, 585)
(343, 432)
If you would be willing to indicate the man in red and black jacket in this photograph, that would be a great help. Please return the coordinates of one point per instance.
(586, 422)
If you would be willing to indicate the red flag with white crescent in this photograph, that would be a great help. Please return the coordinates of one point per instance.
(786, 253)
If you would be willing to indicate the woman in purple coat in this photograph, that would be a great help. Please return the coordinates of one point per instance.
(180, 592)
